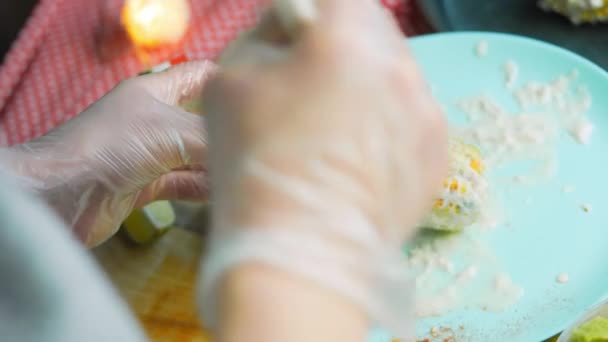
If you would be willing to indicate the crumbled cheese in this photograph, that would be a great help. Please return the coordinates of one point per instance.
(562, 278)
(581, 130)
(519, 179)
(568, 188)
(481, 49)
(447, 270)
(546, 109)
(439, 291)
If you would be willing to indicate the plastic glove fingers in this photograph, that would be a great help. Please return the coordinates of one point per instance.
(327, 16)
(339, 25)
(287, 21)
(180, 83)
(86, 207)
(163, 141)
(192, 130)
(176, 185)
(194, 168)
(433, 151)
(268, 42)
(251, 49)
(416, 168)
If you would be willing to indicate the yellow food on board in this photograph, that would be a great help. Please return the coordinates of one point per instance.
(150, 222)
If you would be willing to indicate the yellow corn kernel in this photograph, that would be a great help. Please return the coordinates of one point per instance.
(477, 165)
(454, 185)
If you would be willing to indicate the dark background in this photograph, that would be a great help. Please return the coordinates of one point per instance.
(13, 14)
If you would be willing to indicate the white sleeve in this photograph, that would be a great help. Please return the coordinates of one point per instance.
(50, 288)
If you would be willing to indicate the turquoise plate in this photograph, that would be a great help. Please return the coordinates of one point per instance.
(552, 235)
(521, 17)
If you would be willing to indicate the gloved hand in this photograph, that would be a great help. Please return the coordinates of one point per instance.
(133, 146)
(326, 150)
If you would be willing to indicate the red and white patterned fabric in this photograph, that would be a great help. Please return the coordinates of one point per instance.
(68, 55)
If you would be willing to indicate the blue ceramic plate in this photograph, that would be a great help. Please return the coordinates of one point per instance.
(521, 17)
(553, 235)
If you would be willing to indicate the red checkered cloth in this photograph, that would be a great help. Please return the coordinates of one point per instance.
(67, 56)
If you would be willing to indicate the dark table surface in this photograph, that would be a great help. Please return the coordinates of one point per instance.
(521, 17)
(13, 14)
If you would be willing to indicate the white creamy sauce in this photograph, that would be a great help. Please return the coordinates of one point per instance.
(481, 50)
(562, 278)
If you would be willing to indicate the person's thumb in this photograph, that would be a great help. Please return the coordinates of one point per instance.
(191, 185)
(179, 84)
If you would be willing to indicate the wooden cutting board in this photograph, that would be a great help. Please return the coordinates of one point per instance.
(158, 281)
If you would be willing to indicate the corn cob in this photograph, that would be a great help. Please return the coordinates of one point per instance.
(463, 193)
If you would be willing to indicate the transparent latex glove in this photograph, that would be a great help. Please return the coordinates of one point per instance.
(131, 147)
(326, 150)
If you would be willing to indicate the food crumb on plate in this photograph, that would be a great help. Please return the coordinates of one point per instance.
(511, 73)
(581, 130)
(586, 207)
(562, 278)
(481, 49)
(519, 179)
(568, 188)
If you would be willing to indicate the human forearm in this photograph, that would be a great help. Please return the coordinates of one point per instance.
(262, 303)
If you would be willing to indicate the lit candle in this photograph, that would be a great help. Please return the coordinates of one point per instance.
(151, 23)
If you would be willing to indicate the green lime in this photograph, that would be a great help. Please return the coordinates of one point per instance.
(148, 223)
(595, 330)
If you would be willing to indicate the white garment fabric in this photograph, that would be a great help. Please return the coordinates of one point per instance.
(51, 289)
